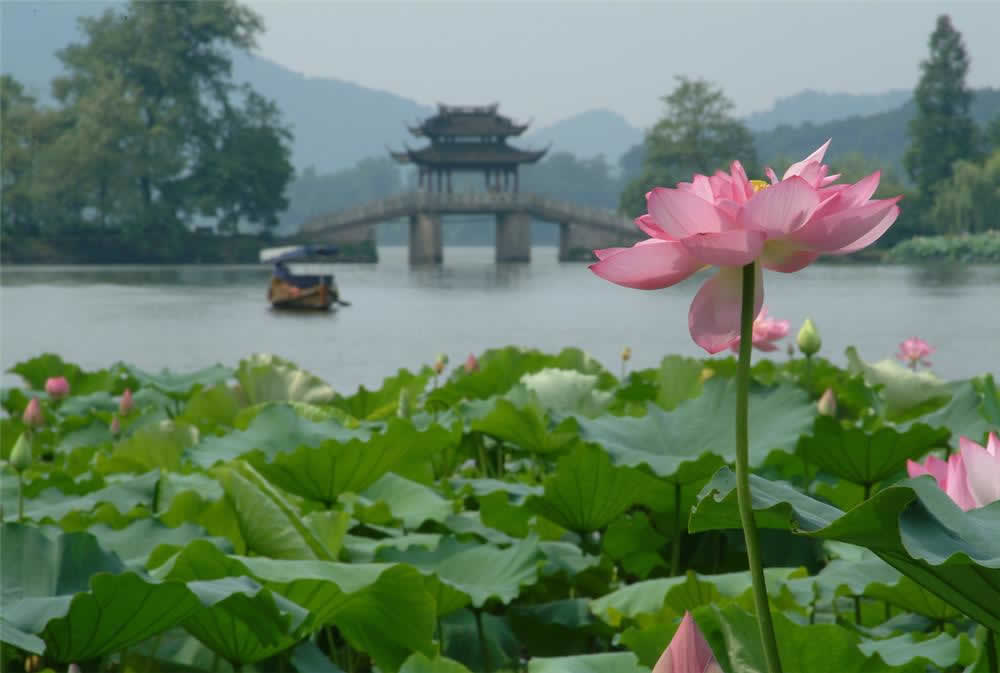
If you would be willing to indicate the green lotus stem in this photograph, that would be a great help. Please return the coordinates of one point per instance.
(767, 637)
(20, 497)
(991, 650)
(675, 552)
(482, 642)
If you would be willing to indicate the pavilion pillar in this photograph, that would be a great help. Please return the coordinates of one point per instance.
(449, 181)
(513, 237)
(426, 245)
(516, 180)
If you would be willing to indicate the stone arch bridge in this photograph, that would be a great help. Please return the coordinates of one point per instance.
(581, 228)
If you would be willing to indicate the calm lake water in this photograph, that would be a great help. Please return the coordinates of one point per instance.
(186, 317)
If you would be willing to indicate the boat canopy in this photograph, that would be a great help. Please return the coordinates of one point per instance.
(289, 252)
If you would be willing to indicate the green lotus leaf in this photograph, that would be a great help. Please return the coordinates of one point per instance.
(419, 663)
(905, 391)
(689, 443)
(409, 501)
(158, 446)
(381, 609)
(382, 403)
(567, 390)
(77, 597)
(867, 457)
(22, 640)
(565, 557)
(912, 525)
(268, 524)
(477, 572)
(365, 549)
(95, 434)
(677, 380)
(179, 385)
(211, 409)
(587, 492)
(87, 404)
(480, 641)
(308, 658)
(943, 650)
(268, 378)
(275, 429)
(609, 662)
(963, 415)
(526, 427)
(38, 369)
(325, 471)
(135, 543)
(54, 504)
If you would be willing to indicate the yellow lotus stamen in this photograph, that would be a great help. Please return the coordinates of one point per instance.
(759, 185)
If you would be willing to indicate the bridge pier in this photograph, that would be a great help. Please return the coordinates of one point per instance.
(513, 242)
(426, 245)
(356, 244)
(577, 243)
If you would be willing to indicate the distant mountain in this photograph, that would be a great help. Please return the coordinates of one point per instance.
(819, 107)
(589, 134)
(881, 137)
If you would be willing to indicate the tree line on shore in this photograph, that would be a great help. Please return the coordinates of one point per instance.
(151, 138)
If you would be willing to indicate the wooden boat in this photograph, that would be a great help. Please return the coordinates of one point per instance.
(290, 288)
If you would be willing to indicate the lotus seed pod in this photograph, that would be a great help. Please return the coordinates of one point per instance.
(33, 414)
(827, 405)
(20, 455)
(626, 354)
(808, 339)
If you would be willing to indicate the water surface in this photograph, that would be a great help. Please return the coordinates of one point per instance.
(186, 317)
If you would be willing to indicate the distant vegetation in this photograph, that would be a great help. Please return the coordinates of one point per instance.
(964, 248)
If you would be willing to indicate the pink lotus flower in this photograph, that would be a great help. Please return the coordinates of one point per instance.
(982, 467)
(913, 351)
(57, 387)
(688, 652)
(125, 405)
(471, 364)
(950, 477)
(728, 221)
(33, 414)
(766, 331)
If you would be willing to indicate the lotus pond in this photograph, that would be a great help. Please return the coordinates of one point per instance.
(537, 513)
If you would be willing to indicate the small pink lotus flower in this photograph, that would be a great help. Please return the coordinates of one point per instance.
(950, 477)
(688, 652)
(116, 426)
(57, 387)
(471, 364)
(729, 221)
(913, 351)
(125, 405)
(32, 415)
(982, 469)
(766, 331)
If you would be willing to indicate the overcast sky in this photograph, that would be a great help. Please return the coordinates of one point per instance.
(554, 59)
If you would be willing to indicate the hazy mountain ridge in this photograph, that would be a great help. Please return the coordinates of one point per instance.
(819, 107)
(588, 135)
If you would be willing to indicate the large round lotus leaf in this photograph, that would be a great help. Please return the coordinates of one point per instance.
(526, 427)
(53, 504)
(587, 492)
(905, 391)
(913, 526)
(943, 650)
(867, 457)
(480, 572)
(689, 443)
(181, 384)
(376, 404)
(158, 446)
(610, 662)
(268, 378)
(419, 663)
(963, 415)
(38, 369)
(567, 390)
(409, 501)
(276, 429)
(78, 598)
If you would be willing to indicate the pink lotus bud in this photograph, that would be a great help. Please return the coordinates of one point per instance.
(57, 387)
(73, 668)
(688, 652)
(827, 404)
(116, 425)
(125, 405)
(33, 414)
(766, 331)
(471, 364)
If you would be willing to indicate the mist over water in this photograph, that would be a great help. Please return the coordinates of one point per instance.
(187, 317)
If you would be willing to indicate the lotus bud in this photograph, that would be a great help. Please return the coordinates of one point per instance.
(20, 455)
(116, 426)
(471, 364)
(57, 387)
(33, 414)
(688, 651)
(440, 363)
(126, 404)
(404, 406)
(626, 354)
(73, 668)
(827, 405)
(808, 339)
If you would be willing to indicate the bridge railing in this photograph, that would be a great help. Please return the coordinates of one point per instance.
(411, 203)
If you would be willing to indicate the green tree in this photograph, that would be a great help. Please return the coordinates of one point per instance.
(969, 201)
(698, 134)
(943, 131)
(178, 137)
(564, 176)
